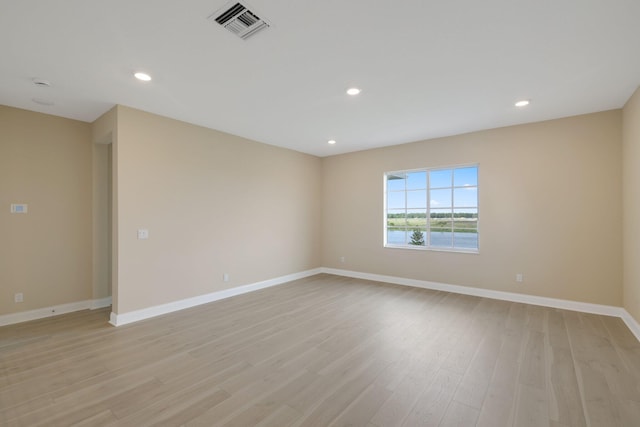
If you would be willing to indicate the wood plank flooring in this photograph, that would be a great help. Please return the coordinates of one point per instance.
(325, 351)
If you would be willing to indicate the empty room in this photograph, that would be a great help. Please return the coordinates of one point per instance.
(286, 213)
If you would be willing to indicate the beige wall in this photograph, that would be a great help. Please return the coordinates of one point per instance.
(550, 208)
(45, 162)
(103, 130)
(213, 203)
(631, 210)
(101, 220)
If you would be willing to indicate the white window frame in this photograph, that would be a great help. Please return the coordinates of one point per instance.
(427, 245)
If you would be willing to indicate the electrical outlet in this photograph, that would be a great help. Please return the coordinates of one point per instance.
(19, 297)
(225, 277)
(519, 278)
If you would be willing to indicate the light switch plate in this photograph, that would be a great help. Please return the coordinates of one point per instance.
(18, 208)
(143, 234)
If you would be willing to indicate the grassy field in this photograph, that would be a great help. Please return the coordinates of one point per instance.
(459, 224)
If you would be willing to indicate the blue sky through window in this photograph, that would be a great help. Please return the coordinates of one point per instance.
(464, 177)
(407, 190)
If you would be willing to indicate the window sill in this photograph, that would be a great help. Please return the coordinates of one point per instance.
(433, 249)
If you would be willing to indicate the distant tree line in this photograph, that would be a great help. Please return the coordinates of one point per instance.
(433, 215)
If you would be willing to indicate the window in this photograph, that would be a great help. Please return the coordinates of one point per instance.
(432, 209)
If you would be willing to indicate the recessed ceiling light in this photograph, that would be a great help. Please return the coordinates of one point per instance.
(331, 141)
(142, 76)
(522, 103)
(353, 91)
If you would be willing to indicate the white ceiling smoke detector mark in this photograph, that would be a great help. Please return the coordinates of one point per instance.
(45, 102)
(41, 82)
(238, 19)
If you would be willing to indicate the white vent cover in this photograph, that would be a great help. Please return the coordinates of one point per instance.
(238, 19)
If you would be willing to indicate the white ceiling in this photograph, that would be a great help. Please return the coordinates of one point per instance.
(427, 68)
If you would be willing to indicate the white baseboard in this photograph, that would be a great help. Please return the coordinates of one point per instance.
(100, 303)
(41, 313)
(632, 323)
(607, 310)
(146, 313)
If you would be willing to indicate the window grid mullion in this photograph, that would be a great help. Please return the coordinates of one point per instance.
(406, 212)
(427, 240)
(453, 203)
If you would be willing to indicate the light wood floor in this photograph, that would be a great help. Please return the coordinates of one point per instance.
(325, 351)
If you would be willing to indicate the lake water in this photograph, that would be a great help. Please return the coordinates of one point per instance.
(438, 239)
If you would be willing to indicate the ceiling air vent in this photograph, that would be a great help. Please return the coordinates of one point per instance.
(238, 19)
